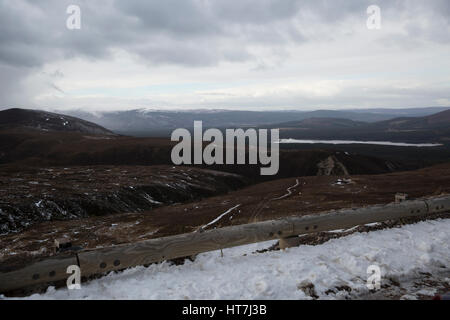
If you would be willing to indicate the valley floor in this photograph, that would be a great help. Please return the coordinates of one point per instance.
(414, 262)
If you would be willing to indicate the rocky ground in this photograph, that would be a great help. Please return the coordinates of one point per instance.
(270, 200)
(57, 193)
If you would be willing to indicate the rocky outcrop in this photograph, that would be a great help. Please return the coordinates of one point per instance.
(331, 166)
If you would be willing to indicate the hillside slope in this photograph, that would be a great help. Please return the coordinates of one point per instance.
(51, 194)
(298, 196)
(47, 121)
(428, 129)
(439, 120)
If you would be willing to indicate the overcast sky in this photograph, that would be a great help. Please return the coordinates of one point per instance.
(227, 54)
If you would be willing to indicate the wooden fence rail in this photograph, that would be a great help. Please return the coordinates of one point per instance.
(102, 260)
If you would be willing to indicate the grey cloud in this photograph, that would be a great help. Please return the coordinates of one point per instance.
(13, 93)
(34, 33)
(193, 33)
(179, 18)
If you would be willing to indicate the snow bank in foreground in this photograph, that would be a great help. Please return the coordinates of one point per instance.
(280, 274)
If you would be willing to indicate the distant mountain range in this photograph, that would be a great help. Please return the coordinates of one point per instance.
(40, 138)
(431, 128)
(320, 124)
(142, 122)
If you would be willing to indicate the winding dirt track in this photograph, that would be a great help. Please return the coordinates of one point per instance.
(289, 191)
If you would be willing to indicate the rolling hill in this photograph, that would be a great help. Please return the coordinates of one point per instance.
(427, 129)
(34, 141)
(24, 142)
(143, 122)
(47, 121)
(322, 124)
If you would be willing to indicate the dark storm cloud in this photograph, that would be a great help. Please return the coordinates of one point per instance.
(192, 33)
(179, 32)
(179, 18)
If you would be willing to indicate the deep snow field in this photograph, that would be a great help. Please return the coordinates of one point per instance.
(336, 269)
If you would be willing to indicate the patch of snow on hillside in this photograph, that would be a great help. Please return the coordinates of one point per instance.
(243, 274)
